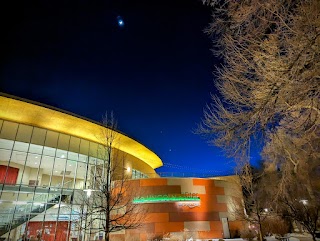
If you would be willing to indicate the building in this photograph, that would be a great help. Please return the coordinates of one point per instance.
(46, 155)
(185, 208)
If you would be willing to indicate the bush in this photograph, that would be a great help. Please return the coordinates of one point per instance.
(248, 234)
(235, 233)
(276, 226)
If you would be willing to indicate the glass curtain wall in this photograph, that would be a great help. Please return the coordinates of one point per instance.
(40, 172)
(138, 175)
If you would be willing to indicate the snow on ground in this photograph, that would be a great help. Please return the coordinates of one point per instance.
(293, 237)
(273, 238)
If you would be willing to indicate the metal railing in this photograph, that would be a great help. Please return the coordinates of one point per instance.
(18, 212)
(187, 174)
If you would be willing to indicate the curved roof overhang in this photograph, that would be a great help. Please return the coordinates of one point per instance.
(36, 114)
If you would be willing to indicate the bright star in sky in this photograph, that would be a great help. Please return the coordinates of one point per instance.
(120, 21)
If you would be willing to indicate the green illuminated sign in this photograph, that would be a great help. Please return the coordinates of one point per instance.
(167, 198)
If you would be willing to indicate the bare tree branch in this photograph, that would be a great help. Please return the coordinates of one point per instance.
(107, 206)
(269, 87)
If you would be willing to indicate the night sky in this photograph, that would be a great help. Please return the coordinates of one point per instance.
(154, 72)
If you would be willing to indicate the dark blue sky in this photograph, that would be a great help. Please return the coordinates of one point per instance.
(155, 73)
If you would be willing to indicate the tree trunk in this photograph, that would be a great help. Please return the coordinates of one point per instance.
(106, 236)
(260, 232)
(260, 226)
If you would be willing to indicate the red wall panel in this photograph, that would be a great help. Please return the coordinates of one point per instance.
(8, 175)
(48, 230)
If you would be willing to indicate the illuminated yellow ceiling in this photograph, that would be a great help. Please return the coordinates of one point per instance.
(48, 118)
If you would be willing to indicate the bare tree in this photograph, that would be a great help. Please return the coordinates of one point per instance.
(107, 206)
(304, 211)
(255, 205)
(293, 159)
(270, 75)
(268, 84)
(297, 195)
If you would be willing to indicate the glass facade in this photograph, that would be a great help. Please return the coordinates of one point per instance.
(40, 173)
(138, 175)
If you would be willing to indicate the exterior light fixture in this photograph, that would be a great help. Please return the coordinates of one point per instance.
(304, 201)
(88, 191)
